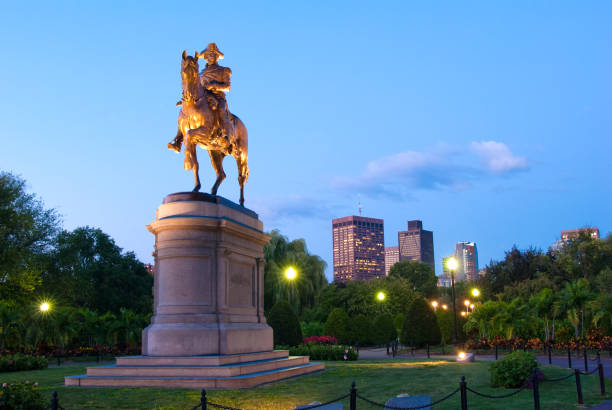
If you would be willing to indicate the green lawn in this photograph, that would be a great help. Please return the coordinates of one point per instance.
(376, 379)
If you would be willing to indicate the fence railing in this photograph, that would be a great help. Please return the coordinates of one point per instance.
(532, 381)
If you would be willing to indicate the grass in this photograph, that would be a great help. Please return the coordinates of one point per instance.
(377, 380)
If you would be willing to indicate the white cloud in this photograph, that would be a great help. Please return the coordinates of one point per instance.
(498, 157)
(442, 167)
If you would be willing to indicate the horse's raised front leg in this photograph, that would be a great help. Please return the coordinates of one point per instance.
(216, 159)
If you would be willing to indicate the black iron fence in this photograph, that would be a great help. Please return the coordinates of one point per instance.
(533, 382)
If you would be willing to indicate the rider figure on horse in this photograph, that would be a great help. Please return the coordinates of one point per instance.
(216, 80)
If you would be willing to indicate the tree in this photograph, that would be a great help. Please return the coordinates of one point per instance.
(576, 295)
(87, 269)
(420, 276)
(26, 234)
(420, 326)
(384, 329)
(337, 325)
(398, 322)
(304, 290)
(285, 323)
(361, 330)
(543, 305)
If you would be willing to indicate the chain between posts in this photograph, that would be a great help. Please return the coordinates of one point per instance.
(386, 406)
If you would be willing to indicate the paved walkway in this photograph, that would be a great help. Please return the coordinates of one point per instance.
(561, 361)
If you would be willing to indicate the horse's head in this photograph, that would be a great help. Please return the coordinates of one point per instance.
(190, 73)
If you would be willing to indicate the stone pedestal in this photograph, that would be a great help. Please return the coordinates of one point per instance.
(208, 294)
(208, 329)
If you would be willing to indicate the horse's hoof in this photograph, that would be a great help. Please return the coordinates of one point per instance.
(197, 188)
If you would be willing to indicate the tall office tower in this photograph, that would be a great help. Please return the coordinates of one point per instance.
(467, 261)
(391, 257)
(570, 234)
(416, 244)
(359, 248)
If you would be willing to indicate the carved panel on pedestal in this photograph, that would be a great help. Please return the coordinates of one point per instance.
(185, 281)
(240, 281)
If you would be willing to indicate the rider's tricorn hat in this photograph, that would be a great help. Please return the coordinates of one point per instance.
(211, 49)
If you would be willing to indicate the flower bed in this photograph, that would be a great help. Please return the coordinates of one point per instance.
(323, 340)
(16, 362)
(21, 396)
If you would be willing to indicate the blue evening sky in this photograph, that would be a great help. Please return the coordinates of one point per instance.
(489, 121)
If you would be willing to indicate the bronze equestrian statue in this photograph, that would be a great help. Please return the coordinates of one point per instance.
(205, 120)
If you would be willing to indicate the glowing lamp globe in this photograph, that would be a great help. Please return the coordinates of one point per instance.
(444, 307)
(434, 304)
(475, 292)
(451, 264)
(380, 296)
(290, 273)
(44, 307)
(466, 302)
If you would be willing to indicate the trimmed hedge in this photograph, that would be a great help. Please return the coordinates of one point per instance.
(286, 325)
(17, 362)
(322, 352)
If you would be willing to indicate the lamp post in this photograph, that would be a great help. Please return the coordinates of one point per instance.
(452, 265)
(290, 274)
(434, 304)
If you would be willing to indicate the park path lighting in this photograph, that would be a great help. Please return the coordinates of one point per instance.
(465, 357)
(380, 296)
(467, 305)
(444, 307)
(463, 313)
(44, 307)
(475, 292)
(452, 265)
(472, 307)
(290, 275)
(434, 304)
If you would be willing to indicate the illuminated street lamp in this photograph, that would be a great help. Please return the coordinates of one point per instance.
(434, 304)
(290, 274)
(463, 313)
(44, 307)
(472, 307)
(475, 292)
(444, 307)
(467, 305)
(452, 265)
(380, 296)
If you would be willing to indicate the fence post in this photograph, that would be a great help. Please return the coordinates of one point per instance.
(586, 360)
(353, 399)
(462, 387)
(203, 399)
(54, 401)
(578, 386)
(495, 350)
(536, 389)
(598, 357)
(428, 350)
(569, 357)
(602, 382)
(549, 354)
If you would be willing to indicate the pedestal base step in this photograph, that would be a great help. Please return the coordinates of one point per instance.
(212, 372)
(234, 382)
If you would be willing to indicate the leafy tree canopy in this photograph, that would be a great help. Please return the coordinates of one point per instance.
(418, 274)
(27, 231)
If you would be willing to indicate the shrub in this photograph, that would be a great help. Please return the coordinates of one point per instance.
(312, 329)
(421, 326)
(337, 325)
(285, 323)
(361, 330)
(513, 369)
(398, 322)
(17, 362)
(324, 352)
(384, 329)
(21, 396)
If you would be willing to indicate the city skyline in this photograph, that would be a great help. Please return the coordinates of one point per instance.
(474, 130)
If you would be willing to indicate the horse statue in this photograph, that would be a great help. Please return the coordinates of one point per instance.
(198, 125)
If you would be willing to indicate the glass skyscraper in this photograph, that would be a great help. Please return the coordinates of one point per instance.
(359, 248)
